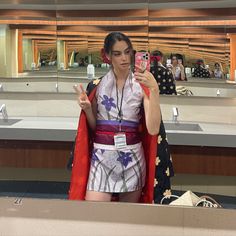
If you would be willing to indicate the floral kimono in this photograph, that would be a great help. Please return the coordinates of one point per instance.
(109, 169)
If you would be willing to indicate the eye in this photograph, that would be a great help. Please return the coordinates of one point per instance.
(116, 54)
(127, 51)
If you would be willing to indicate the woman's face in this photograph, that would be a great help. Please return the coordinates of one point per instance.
(121, 56)
(174, 61)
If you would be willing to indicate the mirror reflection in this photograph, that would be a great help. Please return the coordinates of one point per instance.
(198, 48)
(81, 33)
(28, 46)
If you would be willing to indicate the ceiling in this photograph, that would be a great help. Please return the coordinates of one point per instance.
(109, 4)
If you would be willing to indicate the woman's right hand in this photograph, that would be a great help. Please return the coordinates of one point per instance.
(82, 97)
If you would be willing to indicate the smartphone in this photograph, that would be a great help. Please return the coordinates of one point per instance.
(142, 61)
(168, 63)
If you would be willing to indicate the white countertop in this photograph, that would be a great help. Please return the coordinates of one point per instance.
(64, 129)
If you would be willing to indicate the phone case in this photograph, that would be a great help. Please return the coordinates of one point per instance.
(142, 61)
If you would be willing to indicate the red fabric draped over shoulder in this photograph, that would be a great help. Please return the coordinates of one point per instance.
(81, 163)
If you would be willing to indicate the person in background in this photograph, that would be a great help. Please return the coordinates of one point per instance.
(163, 75)
(200, 70)
(177, 68)
(218, 71)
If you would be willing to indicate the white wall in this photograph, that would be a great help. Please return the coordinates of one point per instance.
(3, 50)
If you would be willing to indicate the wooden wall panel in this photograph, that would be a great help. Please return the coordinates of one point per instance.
(204, 160)
(34, 154)
(186, 159)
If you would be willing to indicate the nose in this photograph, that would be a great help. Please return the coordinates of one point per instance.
(124, 57)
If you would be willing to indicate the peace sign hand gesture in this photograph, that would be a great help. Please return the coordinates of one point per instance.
(82, 97)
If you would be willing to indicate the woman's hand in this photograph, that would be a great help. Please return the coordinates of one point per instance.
(181, 67)
(82, 97)
(147, 79)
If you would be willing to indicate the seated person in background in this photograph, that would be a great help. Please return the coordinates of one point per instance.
(200, 70)
(218, 71)
(163, 76)
(177, 68)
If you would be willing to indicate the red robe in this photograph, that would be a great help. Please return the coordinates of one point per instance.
(81, 162)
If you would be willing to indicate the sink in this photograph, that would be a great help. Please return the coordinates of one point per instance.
(183, 126)
(9, 121)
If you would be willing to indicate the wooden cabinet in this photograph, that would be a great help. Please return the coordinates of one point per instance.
(54, 154)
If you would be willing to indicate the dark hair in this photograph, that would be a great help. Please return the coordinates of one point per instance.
(178, 57)
(174, 55)
(199, 61)
(112, 38)
(156, 53)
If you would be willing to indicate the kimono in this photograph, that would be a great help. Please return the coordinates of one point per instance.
(201, 72)
(82, 158)
(165, 80)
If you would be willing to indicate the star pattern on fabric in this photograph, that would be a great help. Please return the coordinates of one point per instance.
(157, 161)
(155, 182)
(96, 81)
(168, 171)
(159, 139)
(167, 192)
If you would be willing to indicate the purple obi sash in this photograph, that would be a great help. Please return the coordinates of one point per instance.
(106, 129)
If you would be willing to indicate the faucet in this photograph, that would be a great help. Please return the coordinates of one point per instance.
(175, 114)
(3, 110)
(218, 93)
(1, 87)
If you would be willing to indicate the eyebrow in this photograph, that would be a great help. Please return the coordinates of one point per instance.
(121, 51)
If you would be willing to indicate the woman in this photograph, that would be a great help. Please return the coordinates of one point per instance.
(177, 68)
(163, 76)
(218, 71)
(114, 112)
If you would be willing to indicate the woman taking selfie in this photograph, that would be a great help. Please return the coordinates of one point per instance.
(115, 148)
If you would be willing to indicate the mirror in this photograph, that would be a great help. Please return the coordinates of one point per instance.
(46, 45)
(201, 39)
(81, 33)
(28, 46)
(202, 32)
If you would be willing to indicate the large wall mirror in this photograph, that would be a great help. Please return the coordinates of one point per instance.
(49, 50)
(28, 50)
(46, 44)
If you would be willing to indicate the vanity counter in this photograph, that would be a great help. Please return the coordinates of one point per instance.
(64, 129)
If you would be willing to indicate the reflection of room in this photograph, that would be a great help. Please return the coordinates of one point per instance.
(80, 39)
(44, 52)
(30, 42)
(194, 33)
